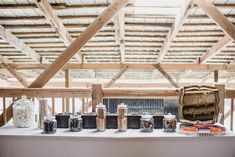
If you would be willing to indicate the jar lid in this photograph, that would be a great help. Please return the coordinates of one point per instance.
(147, 116)
(122, 105)
(23, 101)
(169, 116)
(100, 106)
(49, 117)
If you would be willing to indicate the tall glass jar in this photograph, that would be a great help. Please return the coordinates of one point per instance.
(122, 117)
(146, 123)
(23, 113)
(75, 123)
(49, 125)
(101, 117)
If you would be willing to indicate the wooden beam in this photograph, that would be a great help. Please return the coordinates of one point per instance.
(222, 92)
(216, 48)
(166, 75)
(67, 85)
(119, 23)
(216, 76)
(222, 21)
(18, 44)
(97, 95)
(117, 76)
(217, 17)
(79, 42)
(181, 16)
(55, 22)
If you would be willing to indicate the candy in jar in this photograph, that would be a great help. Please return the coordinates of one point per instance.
(23, 113)
(146, 123)
(169, 123)
(101, 117)
(49, 125)
(75, 123)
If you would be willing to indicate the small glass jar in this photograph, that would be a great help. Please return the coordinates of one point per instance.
(100, 117)
(146, 123)
(122, 117)
(169, 123)
(75, 123)
(23, 113)
(49, 125)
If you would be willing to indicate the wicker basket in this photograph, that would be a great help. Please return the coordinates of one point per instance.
(199, 104)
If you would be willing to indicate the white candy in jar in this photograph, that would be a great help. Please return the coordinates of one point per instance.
(23, 113)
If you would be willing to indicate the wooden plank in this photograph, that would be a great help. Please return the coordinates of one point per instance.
(18, 44)
(73, 104)
(137, 93)
(217, 17)
(53, 106)
(119, 22)
(79, 42)
(117, 76)
(231, 117)
(216, 48)
(166, 75)
(63, 105)
(199, 67)
(67, 85)
(45, 92)
(179, 20)
(221, 89)
(97, 95)
(4, 110)
(55, 22)
(17, 75)
(216, 76)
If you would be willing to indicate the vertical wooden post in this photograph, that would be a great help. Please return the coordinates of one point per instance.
(63, 105)
(83, 105)
(73, 104)
(216, 76)
(231, 117)
(4, 110)
(67, 85)
(53, 106)
(97, 95)
(221, 88)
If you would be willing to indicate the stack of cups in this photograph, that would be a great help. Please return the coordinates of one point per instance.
(122, 117)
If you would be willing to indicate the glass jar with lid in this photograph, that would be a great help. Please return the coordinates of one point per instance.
(169, 123)
(146, 123)
(101, 117)
(23, 113)
(75, 123)
(122, 117)
(49, 125)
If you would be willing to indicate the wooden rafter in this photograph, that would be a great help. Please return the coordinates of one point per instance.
(117, 76)
(222, 21)
(119, 23)
(79, 42)
(166, 75)
(55, 22)
(18, 44)
(182, 15)
(199, 67)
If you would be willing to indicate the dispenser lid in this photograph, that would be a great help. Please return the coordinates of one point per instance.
(122, 105)
(169, 116)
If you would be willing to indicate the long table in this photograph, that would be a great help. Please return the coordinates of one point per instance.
(30, 142)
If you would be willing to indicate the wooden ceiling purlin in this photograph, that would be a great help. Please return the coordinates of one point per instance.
(117, 76)
(55, 22)
(222, 21)
(179, 20)
(79, 42)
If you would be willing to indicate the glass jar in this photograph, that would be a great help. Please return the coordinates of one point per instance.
(23, 113)
(122, 117)
(49, 125)
(75, 123)
(169, 123)
(146, 123)
(101, 117)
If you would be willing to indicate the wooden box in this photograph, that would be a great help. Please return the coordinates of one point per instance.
(199, 104)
